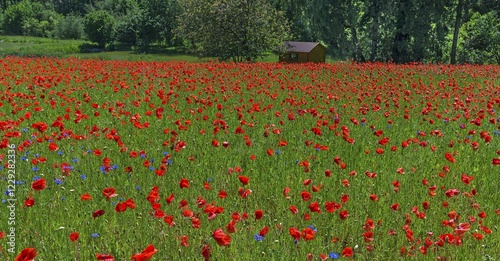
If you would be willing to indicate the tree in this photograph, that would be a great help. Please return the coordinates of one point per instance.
(158, 21)
(98, 25)
(458, 21)
(231, 29)
(481, 39)
(30, 18)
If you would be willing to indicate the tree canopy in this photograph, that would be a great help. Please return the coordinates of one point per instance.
(401, 31)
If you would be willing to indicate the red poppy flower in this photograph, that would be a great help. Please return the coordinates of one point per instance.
(86, 196)
(53, 146)
(184, 183)
(39, 184)
(495, 161)
(104, 257)
(184, 241)
(222, 238)
(244, 180)
(295, 233)
(449, 157)
(29, 202)
(146, 254)
(306, 196)
(169, 220)
(343, 214)
(308, 234)
(347, 252)
(74, 236)
(120, 207)
(98, 213)
(258, 214)
(109, 193)
(27, 254)
(231, 226)
(130, 203)
(206, 251)
(222, 194)
(314, 207)
(263, 231)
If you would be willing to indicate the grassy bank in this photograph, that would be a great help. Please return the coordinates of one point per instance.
(45, 47)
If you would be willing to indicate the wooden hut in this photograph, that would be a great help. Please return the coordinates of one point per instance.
(302, 52)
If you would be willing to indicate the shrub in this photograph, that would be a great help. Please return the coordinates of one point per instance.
(69, 27)
(98, 25)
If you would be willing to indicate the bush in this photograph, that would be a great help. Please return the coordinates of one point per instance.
(481, 39)
(15, 16)
(98, 25)
(127, 29)
(69, 27)
(30, 19)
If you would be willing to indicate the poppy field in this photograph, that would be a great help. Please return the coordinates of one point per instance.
(119, 160)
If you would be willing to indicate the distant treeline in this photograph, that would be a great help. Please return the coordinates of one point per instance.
(401, 31)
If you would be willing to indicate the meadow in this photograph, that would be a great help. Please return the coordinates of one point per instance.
(124, 160)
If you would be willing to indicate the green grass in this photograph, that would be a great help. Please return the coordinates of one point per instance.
(47, 47)
(202, 102)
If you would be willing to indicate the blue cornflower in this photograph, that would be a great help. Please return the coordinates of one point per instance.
(165, 153)
(151, 168)
(333, 255)
(317, 149)
(114, 167)
(58, 181)
(95, 235)
(24, 130)
(63, 199)
(83, 176)
(278, 152)
(209, 179)
(8, 192)
(35, 168)
(35, 178)
(313, 228)
(258, 237)
(24, 158)
(75, 160)
(19, 182)
(152, 160)
(60, 152)
(137, 187)
(169, 162)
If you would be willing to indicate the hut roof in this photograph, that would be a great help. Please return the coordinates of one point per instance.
(300, 47)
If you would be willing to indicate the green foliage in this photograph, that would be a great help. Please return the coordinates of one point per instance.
(69, 27)
(158, 21)
(15, 17)
(30, 18)
(127, 29)
(98, 25)
(481, 39)
(239, 30)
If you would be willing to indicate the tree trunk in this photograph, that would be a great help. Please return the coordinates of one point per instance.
(401, 37)
(455, 33)
(375, 32)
